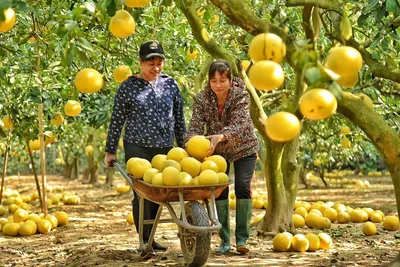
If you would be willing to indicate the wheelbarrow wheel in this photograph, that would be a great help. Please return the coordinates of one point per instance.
(195, 245)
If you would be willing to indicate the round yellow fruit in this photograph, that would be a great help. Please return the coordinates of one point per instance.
(122, 188)
(357, 216)
(312, 219)
(49, 137)
(324, 223)
(122, 24)
(171, 163)
(27, 229)
(72, 108)
(3, 210)
(246, 64)
(391, 223)
(62, 217)
(171, 176)
(57, 120)
(331, 214)
(157, 179)
(266, 75)
(376, 217)
(369, 228)
(186, 179)
(191, 166)
(348, 81)
(129, 218)
(345, 142)
(44, 226)
(301, 211)
(138, 167)
(282, 242)
(282, 126)
(298, 221)
(192, 54)
(220, 161)
(208, 177)
(121, 73)
(314, 242)
(267, 46)
(148, 175)
(197, 146)
(8, 123)
(158, 160)
(317, 162)
(11, 229)
(9, 20)
(325, 241)
(34, 144)
(89, 150)
(345, 130)
(222, 178)
(88, 81)
(177, 154)
(300, 243)
(137, 3)
(20, 215)
(208, 165)
(344, 60)
(53, 220)
(316, 104)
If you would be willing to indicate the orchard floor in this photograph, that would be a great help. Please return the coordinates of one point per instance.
(98, 234)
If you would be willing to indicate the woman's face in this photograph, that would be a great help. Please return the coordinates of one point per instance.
(151, 69)
(220, 83)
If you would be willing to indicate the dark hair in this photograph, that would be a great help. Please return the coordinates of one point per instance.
(221, 66)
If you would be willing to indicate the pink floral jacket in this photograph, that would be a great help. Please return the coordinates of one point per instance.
(235, 122)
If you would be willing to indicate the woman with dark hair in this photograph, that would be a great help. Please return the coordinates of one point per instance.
(223, 110)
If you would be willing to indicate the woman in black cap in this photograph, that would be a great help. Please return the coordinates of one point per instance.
(150, 106)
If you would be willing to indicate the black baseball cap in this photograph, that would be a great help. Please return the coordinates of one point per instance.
(150, 49)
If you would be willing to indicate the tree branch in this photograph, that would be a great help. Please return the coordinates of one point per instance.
(325, 4)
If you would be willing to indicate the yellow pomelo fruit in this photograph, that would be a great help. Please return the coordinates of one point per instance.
(317, 162)
(27, 229)
(177, 154)
(192, 55)
(376, 217)
(171, 163)
(300, 243)
(282, 126)
(122, 24)
(49, 137)
(222, 178)
(137, 3)
(266, 75)
(3, 221)
(9, 20)
(391, 223)
(357, 216)
(122, 188)
(44, 226)
(138, 167)
(369, 228)
(220, 161)
(232, 195)
(11, 229)
(171, 176)
(52, 219)
(3, 210)
(157, 179)
(257, 218)
(62, 217)
(34, 144)
(121, 73)
(35, 195)
(267, 46)
(148, 175)
(324, 223)
(348, 81)
(191, 166)
(381, 213)
(301, 211)
(129, 218)
(8, 123)
(298, 221)
(89, 150)
(312, 219)
(282, 242)
(246, 64)
(331, 214)
(20, 215)
(345, 130)
(57, 120)
(366, 99)
(88, 81)
(72, 108)
(257, 203)
(345, 142)
(344, 60)
(313, 241)
(316, 104)
(208, 177)
(208, 165)
(197, 146)
(232, 203)
(186, 179)
(158, 160)
(73, 200)
(325, 241)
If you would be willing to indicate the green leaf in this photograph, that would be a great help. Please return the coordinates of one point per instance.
(313, 75)
(54, 64)
(4, 4)
(166, 3)
(111, 8)
(336, 90)
(392, 6)
(85, 44)
(71, 25)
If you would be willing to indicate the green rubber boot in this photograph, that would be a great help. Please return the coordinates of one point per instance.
(243, 217)
(225, 232)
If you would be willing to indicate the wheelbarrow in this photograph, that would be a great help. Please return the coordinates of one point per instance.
(196, 222)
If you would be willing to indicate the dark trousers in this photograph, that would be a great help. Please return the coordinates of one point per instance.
(244, 170)
(150, 208)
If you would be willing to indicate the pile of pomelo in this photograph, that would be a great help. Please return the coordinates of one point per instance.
(182, 167)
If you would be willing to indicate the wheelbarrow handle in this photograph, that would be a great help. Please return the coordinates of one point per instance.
(118, 167)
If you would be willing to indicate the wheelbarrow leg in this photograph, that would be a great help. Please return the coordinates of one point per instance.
(146, 249)
(155, 223)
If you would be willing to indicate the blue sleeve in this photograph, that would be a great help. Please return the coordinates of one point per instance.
(180, 127)
(118, 119)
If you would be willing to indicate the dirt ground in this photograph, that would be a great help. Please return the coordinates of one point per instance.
(98, 234)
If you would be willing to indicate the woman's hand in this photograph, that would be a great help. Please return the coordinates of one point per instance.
(109, 158)
(214, 140)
